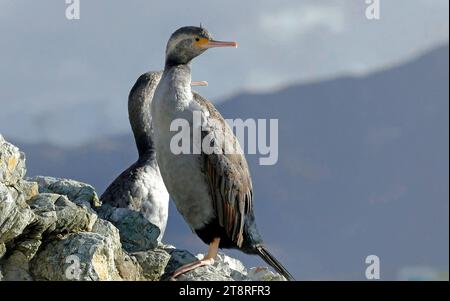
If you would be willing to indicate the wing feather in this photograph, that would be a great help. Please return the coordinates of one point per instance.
(228, 177)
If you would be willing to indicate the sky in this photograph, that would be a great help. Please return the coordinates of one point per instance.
(67, 81)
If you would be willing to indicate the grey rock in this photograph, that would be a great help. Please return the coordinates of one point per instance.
(44, 209)
(52, 214)
(23, 191)
(77, 192)
(14, 215)
(224, 268)
(12, 163)
(95, 255)
(78, 256)
(167, 247)
(205, 273)
(153, 262)
(16, 267)
(136, 232)
(71, 217)
(27, 246)
(107, 229)
(229, 266)
(2, 250)
(127, 267)
(264, 274)
(55, 229)
(44, 221)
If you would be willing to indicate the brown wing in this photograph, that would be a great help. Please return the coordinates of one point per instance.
(228, 176)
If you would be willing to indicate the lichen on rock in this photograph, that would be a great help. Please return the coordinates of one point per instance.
(77, 256)
(12, 163)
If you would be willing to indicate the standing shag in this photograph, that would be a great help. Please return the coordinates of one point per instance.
(140, 187)
(211, 190)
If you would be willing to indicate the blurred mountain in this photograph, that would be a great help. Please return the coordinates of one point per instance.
(363, 169)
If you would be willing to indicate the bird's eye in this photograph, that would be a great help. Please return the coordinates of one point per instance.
(197, 39)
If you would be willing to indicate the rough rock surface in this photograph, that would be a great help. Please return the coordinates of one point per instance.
(56, 229)
(137, 233)
(153, 262)
(12, 163)
(79, 193)
(15, 214)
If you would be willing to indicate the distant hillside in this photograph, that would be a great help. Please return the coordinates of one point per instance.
(363, 169)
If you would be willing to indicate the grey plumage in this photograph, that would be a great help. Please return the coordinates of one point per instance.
(140, 187)
(212, 191)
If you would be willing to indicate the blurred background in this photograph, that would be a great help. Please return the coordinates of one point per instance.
(362, 107)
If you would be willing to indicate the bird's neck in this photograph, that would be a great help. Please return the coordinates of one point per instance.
(141, 121)
(177, 79)
(176, 60)
(145, 146)
(180, 70)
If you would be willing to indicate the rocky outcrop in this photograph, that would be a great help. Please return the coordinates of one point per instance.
(56, 229)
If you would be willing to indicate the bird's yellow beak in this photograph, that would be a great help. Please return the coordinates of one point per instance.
(206, 43)
(199, 83)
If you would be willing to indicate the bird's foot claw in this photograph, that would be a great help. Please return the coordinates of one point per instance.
(191, 266)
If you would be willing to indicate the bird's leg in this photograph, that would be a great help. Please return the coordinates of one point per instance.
(213, 248)
(207, 260)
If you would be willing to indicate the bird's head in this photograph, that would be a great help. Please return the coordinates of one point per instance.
(188, 42)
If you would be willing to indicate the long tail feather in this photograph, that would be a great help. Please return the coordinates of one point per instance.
(273, 262)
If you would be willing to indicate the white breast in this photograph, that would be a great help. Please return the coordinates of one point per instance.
(155, 207)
